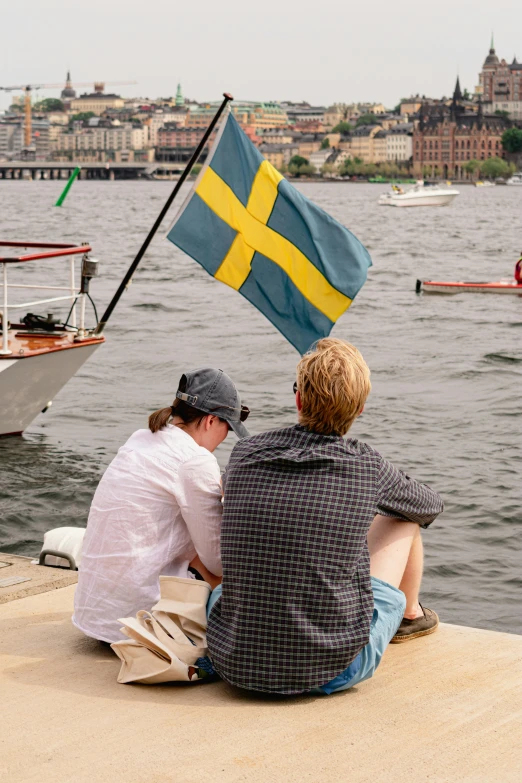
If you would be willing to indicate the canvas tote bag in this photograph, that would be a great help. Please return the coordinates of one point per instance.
(164, 642)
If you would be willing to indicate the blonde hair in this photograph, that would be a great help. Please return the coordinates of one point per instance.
(334, 383)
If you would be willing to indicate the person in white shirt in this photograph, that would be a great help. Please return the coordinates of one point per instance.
(157, 509)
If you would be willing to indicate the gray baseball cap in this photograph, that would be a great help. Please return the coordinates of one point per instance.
(212, 391)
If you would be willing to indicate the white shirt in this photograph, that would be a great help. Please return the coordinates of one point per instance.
(156, 507)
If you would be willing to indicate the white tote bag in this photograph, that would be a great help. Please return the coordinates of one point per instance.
(166, 641)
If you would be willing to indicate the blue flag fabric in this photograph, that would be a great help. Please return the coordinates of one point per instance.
(249, 228)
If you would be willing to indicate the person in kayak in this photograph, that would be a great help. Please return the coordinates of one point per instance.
(158, 507)
(321, 547)
(518, 270)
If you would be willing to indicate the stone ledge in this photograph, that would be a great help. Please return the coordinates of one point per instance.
(40, 579)
(443, 709)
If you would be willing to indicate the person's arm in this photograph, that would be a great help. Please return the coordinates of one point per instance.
(199, 495)
(212, 579)
(402, 497)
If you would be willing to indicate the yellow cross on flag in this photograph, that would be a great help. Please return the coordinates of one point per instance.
(249, 228)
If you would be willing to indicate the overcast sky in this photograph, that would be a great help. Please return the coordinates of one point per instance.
(378, 50)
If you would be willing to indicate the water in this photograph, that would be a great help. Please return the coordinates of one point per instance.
(446, 371)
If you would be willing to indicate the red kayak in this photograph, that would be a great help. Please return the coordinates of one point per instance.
(443, 287)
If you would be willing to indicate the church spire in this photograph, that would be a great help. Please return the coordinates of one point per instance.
(180, 100)
(68, 93)
(492, 58)
(457, 94)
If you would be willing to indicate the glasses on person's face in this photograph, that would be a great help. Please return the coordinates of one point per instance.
(295, 387)
(243, 414)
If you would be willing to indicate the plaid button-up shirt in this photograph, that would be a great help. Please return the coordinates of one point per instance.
(297, 599)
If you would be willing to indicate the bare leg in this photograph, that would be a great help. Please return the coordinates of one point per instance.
(412, 577)
(396, 557)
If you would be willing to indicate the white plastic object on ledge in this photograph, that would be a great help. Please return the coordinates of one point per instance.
(62, 547)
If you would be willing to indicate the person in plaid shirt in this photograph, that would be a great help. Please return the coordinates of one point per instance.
(320, 544)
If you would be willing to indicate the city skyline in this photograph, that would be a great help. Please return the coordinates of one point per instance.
(283, 51)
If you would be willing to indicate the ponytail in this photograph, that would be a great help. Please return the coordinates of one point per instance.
(179, 408)
(159, 419)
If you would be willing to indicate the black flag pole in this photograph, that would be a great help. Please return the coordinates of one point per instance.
(141, 252)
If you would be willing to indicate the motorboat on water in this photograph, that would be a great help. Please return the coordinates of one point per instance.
(486, 183)
(419, 195)
(507, 286)
(38, 353)
(516, 179)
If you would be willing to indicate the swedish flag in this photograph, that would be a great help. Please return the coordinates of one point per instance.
(248, 227)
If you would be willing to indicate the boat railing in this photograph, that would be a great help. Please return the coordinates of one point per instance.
(40, 251)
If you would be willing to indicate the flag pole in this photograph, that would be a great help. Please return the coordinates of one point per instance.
(141, 252)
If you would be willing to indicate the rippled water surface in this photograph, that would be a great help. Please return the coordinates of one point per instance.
(446, 370)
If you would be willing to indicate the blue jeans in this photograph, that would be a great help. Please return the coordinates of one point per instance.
(388, 611)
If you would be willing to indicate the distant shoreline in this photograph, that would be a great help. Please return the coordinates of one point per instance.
(293, 180)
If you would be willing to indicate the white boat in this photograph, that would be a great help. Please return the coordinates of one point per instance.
(418, 195)
(38, 355)
(447, 287)
(484, 184)
(516, 179)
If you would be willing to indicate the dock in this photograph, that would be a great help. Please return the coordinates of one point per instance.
(442, 709)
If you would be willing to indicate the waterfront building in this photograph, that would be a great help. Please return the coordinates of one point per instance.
(379, 146)
(320, 157)
(279, 155)
(371, 108)
(409, 106)
(97, 102)
(368, 143)
(353, 111)
(7, 130)
(333, 139)
(99, 143)
(303, 113)
(276, 136)
(345, 143)
(176, 144)
(12, 140)
(337, 158)
(500, 85)
(308, 143)
(447, 137)
(310, 126)
(160, 118)
(388, 121)
(334, 115)
(259, 116)
(399, 143)
(55, 130)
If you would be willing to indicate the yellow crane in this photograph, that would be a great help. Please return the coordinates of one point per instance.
(99, 87)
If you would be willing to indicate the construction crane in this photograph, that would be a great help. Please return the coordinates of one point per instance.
(99, 87)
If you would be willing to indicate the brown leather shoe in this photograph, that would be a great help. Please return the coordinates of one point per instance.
(421, 626)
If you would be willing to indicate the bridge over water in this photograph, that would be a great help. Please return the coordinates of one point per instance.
(11, 169)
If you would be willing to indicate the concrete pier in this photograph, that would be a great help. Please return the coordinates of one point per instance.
(442, 709)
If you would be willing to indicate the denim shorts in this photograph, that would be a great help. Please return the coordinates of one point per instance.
(389, 604)
(388, 611)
